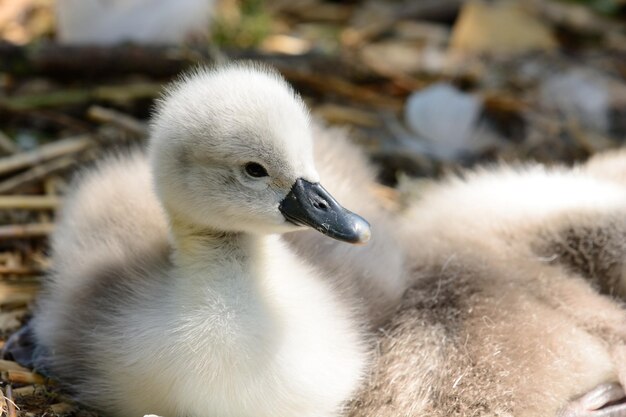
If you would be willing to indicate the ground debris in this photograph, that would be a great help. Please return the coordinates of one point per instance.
(426, 88)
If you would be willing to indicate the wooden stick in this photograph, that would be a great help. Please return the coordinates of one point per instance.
(50, 58)
(28, 202)
(11, 408)
(25, 377)
(335, 113)
(25, 230)
(115, 93)
(11, 366)
(344, 88)
(119, 119)
(19, 270)
(63, 61)
(19, 293)
(35, 174)
(46, 152)
(3, 403)
(27, 391)
(6, 144)
(46, 99)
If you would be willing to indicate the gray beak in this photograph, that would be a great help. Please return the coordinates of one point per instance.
(310, 204)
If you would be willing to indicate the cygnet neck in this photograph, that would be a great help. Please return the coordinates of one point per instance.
(195, 246)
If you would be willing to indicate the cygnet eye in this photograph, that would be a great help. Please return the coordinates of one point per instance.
(255, 170)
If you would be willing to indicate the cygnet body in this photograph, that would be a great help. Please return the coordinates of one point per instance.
(516, 305)
(184, 301)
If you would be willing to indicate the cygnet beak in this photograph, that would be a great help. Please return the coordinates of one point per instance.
(310, 204)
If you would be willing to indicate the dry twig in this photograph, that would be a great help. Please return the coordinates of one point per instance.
(65, 61)
(19, 270)
(36, 173)
(4, 408)
(119, 119)
(335, 113)
(46, 152)
(13, 231)
(11, 407)
(6, 366)
(15, 294)
(28, 202)
(115, 93)
(6, 144)
(26, 391)
(25, 377)
(335, 85)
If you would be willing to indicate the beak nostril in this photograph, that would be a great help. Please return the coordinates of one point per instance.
(320, 205)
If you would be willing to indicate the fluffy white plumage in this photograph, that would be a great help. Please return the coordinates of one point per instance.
(222, 318)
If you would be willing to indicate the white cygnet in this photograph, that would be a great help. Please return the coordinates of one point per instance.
(181, 299)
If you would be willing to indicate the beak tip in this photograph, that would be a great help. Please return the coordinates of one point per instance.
(363, 239)
(302, 206)
(363, 233)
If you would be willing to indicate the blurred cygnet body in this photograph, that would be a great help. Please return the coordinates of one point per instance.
(516, 299)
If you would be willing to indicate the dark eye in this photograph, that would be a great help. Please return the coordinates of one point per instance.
(255, 170)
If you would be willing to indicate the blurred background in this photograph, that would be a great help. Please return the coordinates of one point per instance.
(425, 87)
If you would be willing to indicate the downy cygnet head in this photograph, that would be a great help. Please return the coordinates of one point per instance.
(231, 149)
